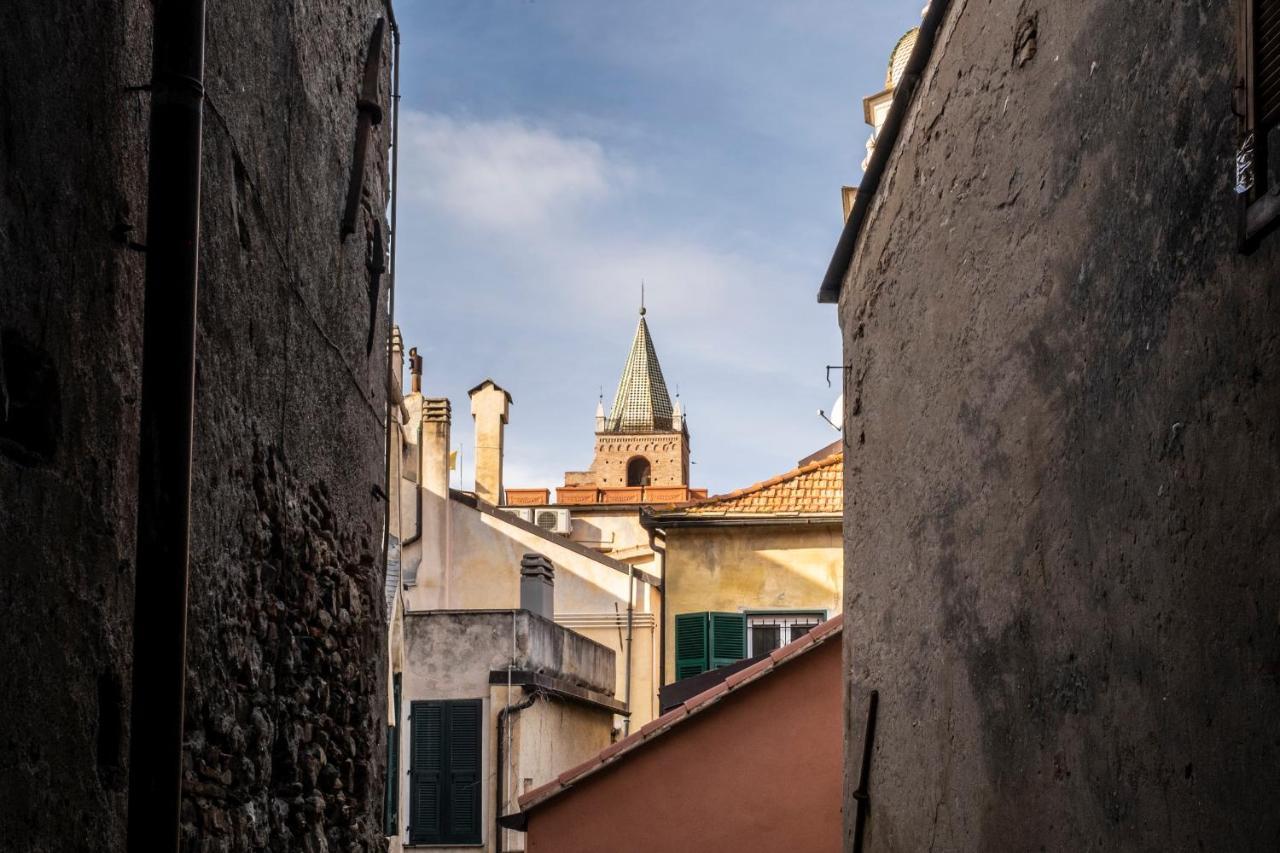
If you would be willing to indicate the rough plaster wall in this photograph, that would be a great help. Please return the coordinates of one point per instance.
(751, 568)
(72, 169)
(1063, 469)
(286, 635)
(549, 737)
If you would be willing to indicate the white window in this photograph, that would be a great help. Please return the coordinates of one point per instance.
(769, 631)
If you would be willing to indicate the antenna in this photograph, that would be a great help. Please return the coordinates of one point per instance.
(641, 297)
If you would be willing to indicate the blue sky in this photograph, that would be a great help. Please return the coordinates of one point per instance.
(554, 153)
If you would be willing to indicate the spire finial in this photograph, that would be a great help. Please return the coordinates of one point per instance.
(641, 297)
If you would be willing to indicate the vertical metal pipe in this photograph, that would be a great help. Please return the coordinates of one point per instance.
(631, 610)
(167, 405)
(504, 734)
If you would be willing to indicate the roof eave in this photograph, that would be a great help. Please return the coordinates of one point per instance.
(610, 756)
(886, 142)
(670, 521)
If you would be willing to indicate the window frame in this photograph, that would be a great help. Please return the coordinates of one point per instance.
(789, 619)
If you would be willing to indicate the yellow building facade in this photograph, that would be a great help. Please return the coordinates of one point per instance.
(747, 572)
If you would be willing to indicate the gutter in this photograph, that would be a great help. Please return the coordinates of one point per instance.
(885, 143)
(670, 522)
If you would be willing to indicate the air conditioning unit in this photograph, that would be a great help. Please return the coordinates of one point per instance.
(554, 521)
(522, 513)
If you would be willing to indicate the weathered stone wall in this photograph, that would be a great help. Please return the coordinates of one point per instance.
(285, 704)
(1064, 464)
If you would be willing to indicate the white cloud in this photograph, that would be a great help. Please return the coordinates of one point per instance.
(525, 246)
(503, 173)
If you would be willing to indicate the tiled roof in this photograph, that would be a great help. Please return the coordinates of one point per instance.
(694, 705)
(815, 488)
(642, 403)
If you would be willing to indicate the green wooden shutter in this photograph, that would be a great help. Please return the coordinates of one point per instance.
(692, 653)
(446, 772)
(728, 638)
(392, 802)
(426, 772)
(464, 775)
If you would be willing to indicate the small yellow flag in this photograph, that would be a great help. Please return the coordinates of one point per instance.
(453, 460)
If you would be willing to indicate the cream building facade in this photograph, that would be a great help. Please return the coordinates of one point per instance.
(570, 671)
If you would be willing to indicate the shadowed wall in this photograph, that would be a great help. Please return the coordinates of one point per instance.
(1063, 470)
(286, 632)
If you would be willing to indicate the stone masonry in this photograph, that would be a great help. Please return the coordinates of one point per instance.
(285, 708)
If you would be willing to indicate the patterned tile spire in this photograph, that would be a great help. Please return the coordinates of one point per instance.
(642, 403)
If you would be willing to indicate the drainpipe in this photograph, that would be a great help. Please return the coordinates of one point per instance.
(391, 281)
(503, 717)
(165, 426)
(661, 553)
(631, 609)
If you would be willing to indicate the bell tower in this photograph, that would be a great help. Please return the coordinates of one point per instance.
(643, 440)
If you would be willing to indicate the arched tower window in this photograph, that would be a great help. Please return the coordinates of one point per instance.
(638, 472)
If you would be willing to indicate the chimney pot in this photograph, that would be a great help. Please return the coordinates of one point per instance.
(537, 585)
(415, 370)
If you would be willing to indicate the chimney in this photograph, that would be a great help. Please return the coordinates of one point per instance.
(433, 475)
(489, 407)
(397, 359)
(537, 586)
(437, 415)
(415, 370)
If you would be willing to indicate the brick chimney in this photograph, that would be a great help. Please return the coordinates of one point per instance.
(537, 586)
(490, 406)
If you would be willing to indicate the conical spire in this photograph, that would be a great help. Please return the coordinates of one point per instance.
(642, 403)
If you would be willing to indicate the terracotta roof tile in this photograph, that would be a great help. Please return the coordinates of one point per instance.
(815, 488)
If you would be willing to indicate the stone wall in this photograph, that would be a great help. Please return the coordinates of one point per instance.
(285, 705)
(1063, 447)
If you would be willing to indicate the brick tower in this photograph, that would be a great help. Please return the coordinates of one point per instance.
(643, 441)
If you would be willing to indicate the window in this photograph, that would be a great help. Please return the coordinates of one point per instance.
(706, 641)
(639, 472)
(769, 631)
(444, 772)
(1258, 90)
